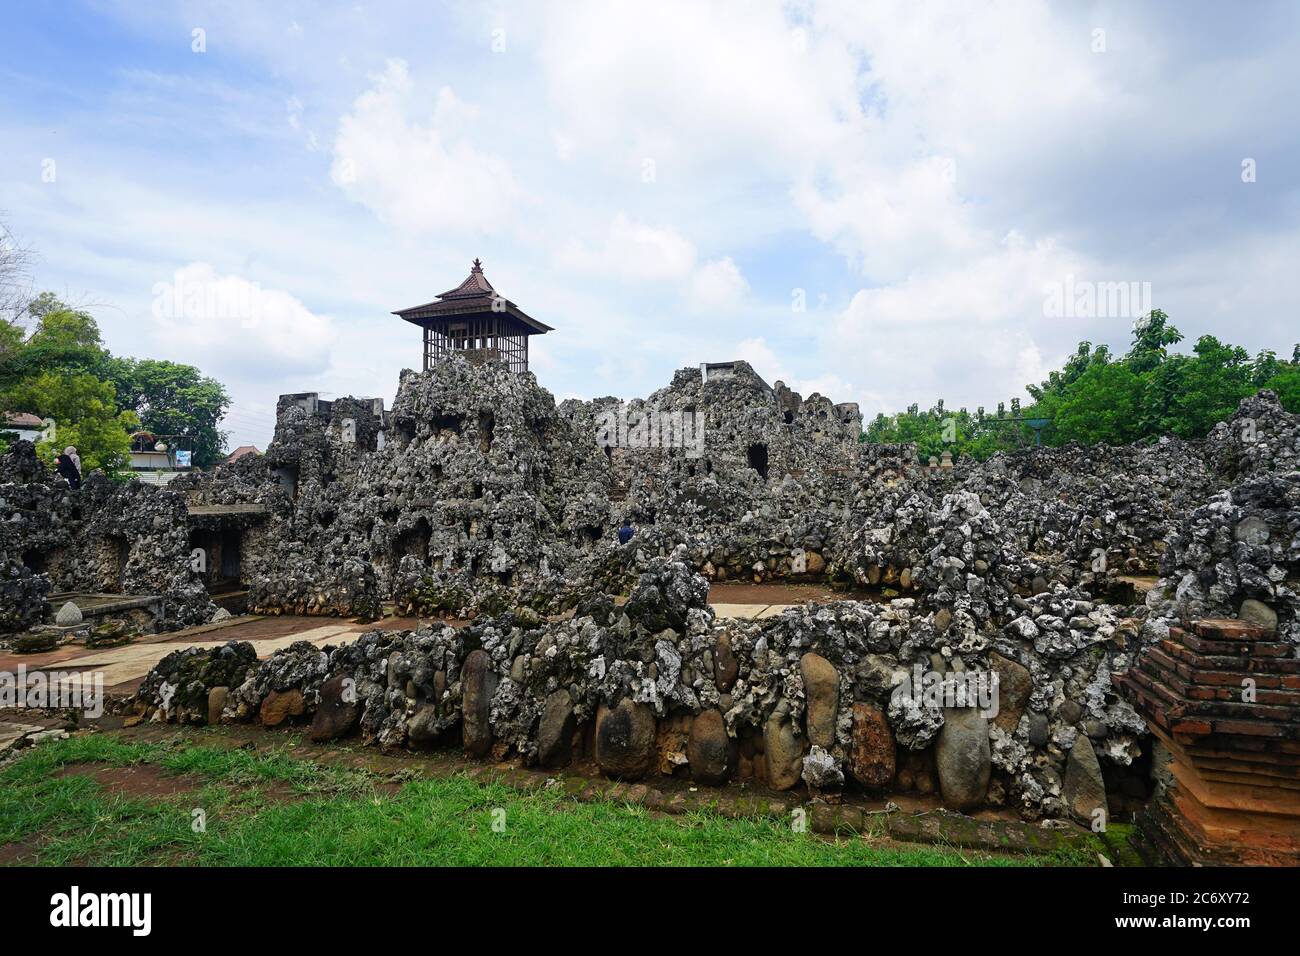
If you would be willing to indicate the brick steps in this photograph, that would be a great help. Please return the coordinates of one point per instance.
(1224, 698)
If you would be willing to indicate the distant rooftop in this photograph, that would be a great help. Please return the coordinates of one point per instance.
(240, 452)
(20, 420)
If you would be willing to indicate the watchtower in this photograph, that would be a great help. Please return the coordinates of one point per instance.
(476, 321)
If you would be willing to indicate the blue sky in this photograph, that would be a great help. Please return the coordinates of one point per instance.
(661, 183)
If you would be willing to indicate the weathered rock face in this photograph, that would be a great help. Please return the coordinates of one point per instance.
(710, 752)
(963, 759)
(180, 685)
(871, 759)
(1084, 790)
(822, 685)
(475, 493)
(625, 741)
(338, 712)
(103, 537)
(1236, 556)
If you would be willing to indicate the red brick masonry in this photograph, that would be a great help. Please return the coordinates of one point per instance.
(1236, 759)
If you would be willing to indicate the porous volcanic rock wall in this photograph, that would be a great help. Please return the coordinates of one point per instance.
(105, 537)
(476, 491)
(476, 496)
(658, 685)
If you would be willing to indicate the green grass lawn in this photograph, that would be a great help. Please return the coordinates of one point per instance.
(268, 809)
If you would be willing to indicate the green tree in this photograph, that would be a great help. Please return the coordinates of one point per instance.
(939, 429)
(1186, 395)
(62, 339)
(1101, 406)
(57, 372)
(172, 399)
(1152, 336)
(1149, 392)
(85, 411)
(61, 370)
(1058, 383)
(1287, 385)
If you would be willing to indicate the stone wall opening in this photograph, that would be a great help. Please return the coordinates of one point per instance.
(756, 456)
(223, 562)
(413, 541)
(287, 476)
(34, 561)
(115, 553)
(446, 424)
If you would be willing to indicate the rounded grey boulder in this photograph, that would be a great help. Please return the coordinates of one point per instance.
(69, 615)
(963, 758)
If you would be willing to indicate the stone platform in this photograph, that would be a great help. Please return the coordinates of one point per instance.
(1224, 700)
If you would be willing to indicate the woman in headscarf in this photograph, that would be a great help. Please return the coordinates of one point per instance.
(69, 466)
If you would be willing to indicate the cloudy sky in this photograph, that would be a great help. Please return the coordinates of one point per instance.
(879, 201)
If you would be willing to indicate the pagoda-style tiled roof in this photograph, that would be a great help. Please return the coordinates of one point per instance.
(472, 297)
(475, 285)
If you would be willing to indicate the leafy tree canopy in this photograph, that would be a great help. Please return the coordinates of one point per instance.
(57, 367)
(172, 399)
(1150, 392)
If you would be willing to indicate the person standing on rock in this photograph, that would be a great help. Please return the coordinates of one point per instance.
(626, 532)
(69, 466)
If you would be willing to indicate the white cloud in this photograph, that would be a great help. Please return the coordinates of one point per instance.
(237, 329)
(767, 364)
(718, 285)
(1006, 282)
(922, 170)
(420, 176)
(689, 84)
(632, 250)
(894, 221)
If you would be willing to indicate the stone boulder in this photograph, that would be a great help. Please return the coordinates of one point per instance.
(478, 685)
(216, 704)
(69, 615)
(709, 750)
(279, 705)
(822, 771)
(424, 728)
(871, 752)
(821, 684)
(1014, 687)
(1083, 788)
(1258, 613)
(555, 730)
(725, 666)
(338, 711)
(625, 740)
(784, 751)
(963, 758)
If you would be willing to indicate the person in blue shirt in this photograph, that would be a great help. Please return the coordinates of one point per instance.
(625, 533)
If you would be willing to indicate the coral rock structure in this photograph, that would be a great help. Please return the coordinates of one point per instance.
(479, 503)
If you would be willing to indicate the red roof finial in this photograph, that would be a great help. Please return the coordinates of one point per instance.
(478, 266)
